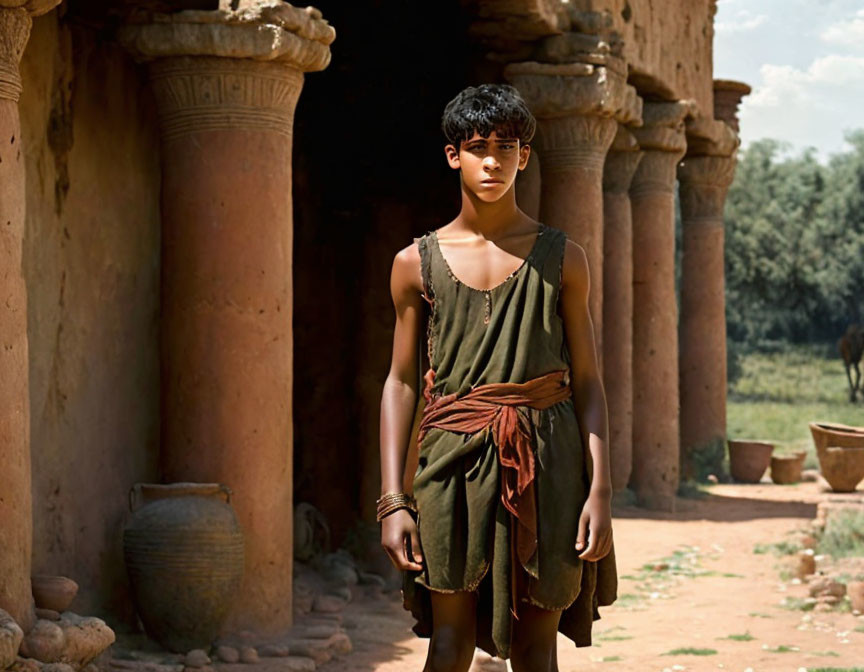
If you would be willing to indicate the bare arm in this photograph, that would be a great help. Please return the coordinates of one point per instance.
(398, 403)
(589, 399)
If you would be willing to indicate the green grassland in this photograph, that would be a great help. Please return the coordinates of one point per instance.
(778, 393)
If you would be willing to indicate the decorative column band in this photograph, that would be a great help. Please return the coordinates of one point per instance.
(14, 31)
(202, 93)
(575, 141)
(704, 183)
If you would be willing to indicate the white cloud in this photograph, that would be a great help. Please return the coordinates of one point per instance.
(784, 84)
(847, 33)
(809, 106)
(743, 21)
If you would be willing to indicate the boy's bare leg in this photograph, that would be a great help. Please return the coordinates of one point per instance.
(451, 647)
(535, 636)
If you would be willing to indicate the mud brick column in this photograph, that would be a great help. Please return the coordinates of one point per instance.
(226, 84)
(575, 105)
(16, 509)
(621, 164)
(655, 324)
(704, 177)
(704, 181)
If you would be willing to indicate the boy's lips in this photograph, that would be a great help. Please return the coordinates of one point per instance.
(491, 181)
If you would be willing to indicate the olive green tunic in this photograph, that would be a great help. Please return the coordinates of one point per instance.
(510, 333)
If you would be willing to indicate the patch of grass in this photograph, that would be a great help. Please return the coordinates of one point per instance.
(859, 628)
(778, 548)
(629, 600)
(690, 651)
(826, 654)
(757, 614)
(797, 603)
(610, 636)
(782, 648)
(835, 669)
(844, 534)
(689, 489)
(610, 659)
(745, 637)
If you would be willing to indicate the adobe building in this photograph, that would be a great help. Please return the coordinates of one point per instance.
(200, 202)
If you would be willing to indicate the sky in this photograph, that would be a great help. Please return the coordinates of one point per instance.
(805, 62)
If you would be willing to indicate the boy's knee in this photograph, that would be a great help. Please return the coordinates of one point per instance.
(449, 651)
(531, 658)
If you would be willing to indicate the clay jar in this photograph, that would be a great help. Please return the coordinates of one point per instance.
(184, 555)
(786, 469)
(53, 592)
(748, 460)
(835, 434)
(843, 468)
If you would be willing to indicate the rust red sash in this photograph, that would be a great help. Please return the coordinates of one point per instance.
(496, 405)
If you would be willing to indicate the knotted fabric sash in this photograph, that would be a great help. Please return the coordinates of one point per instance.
(496, 405)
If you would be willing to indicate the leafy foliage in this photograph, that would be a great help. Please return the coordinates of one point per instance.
(794, 242)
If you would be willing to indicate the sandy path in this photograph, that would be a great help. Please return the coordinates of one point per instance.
(685, 609)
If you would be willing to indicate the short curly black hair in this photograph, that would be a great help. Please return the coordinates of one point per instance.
(487, 108)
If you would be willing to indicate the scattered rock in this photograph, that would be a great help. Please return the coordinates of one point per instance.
(227, 654)
(340, 643)
(24, 665)
(803, 563)
(197, 658)
(712, 478)
(274, 650)
(10, 639)
(825, 585)
(316, 649)
(299, 664)
(58, 667)
(248, 655)
(74, 639)
(328, 604)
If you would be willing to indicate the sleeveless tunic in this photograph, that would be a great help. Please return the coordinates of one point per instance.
(510, 333)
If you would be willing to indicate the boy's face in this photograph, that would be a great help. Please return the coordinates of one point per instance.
(489, 165)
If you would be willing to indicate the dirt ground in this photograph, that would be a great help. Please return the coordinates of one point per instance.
(707, 584)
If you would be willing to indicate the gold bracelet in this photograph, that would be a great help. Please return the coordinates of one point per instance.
(393, 501)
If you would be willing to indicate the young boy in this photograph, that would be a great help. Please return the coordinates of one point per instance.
(509, 539)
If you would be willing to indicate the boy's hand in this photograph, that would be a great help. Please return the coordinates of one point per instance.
(397, 529)
(596, 517)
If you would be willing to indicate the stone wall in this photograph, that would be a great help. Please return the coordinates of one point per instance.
(91, 262)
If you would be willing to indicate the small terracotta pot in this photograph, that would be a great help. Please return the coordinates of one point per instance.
(748, 460)
(53, 592)
(855, 591)
(787, 468)
(843, 468)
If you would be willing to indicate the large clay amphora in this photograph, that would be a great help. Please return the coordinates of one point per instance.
(184, 554)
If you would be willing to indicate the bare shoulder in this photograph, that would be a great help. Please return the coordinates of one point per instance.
(574, 271)
(405, 272)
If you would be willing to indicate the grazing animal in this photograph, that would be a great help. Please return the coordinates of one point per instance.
(851, 346)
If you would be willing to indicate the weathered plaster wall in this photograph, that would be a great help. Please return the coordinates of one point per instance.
(91, 262)
(668, 44)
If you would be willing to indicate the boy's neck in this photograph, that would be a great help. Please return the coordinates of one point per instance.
(489, 219)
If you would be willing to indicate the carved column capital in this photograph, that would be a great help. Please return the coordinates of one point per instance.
(262, 31)
(727, 97)
(621, 162)
(565, 89)
(704, 183)
(224, 69)
(14, 31)
(662, 137)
